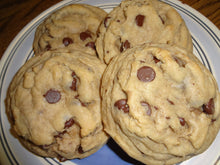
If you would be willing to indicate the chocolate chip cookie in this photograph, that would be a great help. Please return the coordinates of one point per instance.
(160, 104)
(54, 105)
(71, 27)
(135, 22)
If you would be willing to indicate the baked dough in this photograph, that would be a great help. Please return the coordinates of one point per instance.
(54, 105)
(71, 27)
(135, 22)
(160, 104)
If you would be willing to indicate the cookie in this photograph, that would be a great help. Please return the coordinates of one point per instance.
(71, 27)
(135, 22)
(54, 104)
(160, 104)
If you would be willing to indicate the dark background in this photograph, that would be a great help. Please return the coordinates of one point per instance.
(15, 14)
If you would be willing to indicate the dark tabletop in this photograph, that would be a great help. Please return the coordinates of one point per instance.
(15, 14)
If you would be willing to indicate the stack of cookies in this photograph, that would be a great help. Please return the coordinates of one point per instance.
(54, 99)
(130, 75)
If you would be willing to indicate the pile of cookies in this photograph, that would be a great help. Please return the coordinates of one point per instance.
(54, 99)
(129, 74)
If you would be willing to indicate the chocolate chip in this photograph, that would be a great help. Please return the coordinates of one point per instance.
(74, 82)
(156, 60)
(80, 150)
(67, 41)
(60, 134)
(209, 107)
(167, 117)
(171, 102)
(84, 104)
(69, 123)
(121, 48)
(124, 46)
(73, 74)
(85, 35)
(182, 121)
(48, 47)
(146, 74)
(105, 21)
(122, 105)
(91, 45)
(139, 20)
(147, 107)
(213, 120)
(52, 96)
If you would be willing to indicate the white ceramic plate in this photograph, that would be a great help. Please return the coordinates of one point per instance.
(206, 41)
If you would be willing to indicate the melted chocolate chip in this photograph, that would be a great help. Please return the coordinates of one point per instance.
(91, 45)
(69, 123)
(139, 20)
(182, 121)
(48, 47)
(60, 134)
(146, 74)
(122, 105)
(156, 60)
(74, 82)
(67, 41)
(105, 21)
(147, 107)
(52, 96)
(121, 48)
(124, 46)
(80, 150)
(85, 35)
(209, 107)
(84, 104)
(213, 120)
(171, 102)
